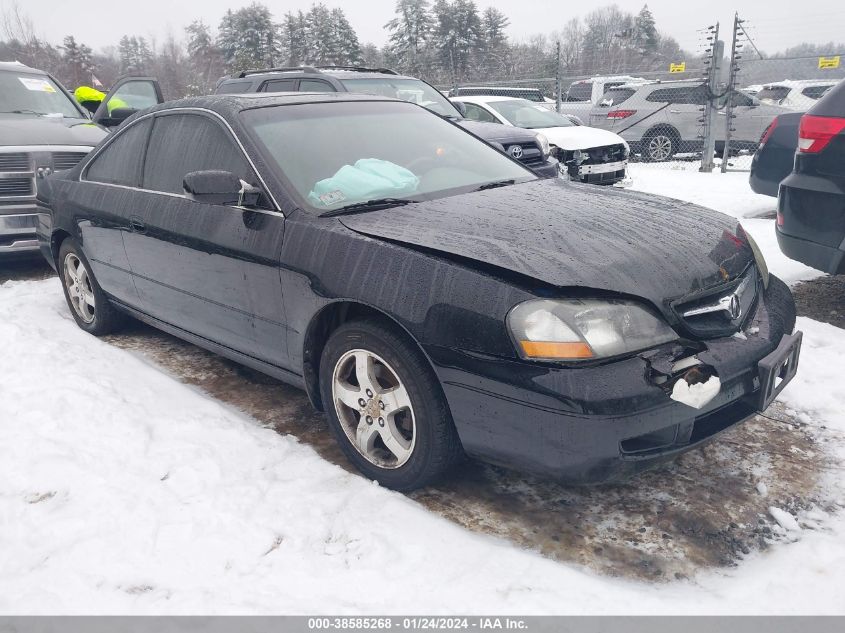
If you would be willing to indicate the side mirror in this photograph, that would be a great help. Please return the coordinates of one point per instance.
(220, 187)
(117, 116)
(91, 106)
(460, 106)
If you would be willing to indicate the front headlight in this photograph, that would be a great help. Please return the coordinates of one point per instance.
(584, 329)
(544, 144)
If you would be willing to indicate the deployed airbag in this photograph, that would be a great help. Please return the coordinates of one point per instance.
(367, 179)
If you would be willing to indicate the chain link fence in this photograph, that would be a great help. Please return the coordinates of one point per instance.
(706, 113)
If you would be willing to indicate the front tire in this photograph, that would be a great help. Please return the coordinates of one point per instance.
(385, 407)
(88, 304)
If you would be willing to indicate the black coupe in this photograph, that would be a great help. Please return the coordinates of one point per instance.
(433, 296)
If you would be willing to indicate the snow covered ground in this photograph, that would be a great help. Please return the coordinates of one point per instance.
(123, 490)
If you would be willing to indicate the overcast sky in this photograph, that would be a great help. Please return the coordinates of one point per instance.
(774, 24)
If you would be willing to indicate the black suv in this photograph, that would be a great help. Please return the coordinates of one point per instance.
(529, 148)
(811, 201)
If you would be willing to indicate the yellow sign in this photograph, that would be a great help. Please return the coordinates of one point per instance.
(679, 68)
(828, 63)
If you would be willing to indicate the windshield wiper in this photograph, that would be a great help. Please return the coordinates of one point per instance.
(22, 112)
(369, 205)
(498, 183)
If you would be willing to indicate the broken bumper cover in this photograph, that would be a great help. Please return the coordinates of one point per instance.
(607, 422)
(17, 231)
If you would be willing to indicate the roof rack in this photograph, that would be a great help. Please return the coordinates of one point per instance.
(358, 69)
(315, 69)
(284, 69)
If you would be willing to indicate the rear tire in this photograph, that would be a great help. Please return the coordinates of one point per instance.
(385, 406)
(660, 145)
(88, 304)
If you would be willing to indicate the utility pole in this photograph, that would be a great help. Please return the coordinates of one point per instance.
(557, 78)
(716, 50)
(729, 110)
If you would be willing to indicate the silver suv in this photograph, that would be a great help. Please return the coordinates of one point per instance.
(664, 119)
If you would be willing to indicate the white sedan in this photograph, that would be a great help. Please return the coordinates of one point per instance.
(589, 154)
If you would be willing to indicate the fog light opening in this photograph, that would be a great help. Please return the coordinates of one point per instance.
(697, 386)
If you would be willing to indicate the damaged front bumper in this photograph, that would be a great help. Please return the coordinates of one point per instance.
(606, 422)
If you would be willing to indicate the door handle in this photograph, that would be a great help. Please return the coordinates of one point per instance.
(137, 225)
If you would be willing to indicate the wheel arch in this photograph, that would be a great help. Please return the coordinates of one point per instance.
(662, 127)
(56, 238)
(326, 321)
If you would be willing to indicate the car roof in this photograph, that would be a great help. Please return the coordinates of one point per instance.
(514, 88)
(336, 72)
(671, 83)
(232, 103)
(800, 83)
(487, 98)
(19, 67)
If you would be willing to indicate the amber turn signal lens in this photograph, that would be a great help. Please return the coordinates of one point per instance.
(535, 349)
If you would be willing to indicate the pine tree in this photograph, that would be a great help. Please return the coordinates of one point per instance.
(320, 36)
(494, 50)
(458, 33)
(295, 37)
(347, 49)
(411, 30)
(204, 58)
(248, 38)
(77, 62)
(645, 32)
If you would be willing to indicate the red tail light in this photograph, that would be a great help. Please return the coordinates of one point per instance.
(815, 132)
(768, 132)
(620, 114)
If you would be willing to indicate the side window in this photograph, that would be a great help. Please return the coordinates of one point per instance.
(280, 85)
(477, 113)
(315, 85)
(182, 143)
(740, 99)
(814, 92)
(134, 94)
(120, 162)
(695, 95)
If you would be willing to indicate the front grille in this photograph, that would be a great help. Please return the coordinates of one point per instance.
(708, 314)
(593, 155)
(531, 153)
(67, 160)
(16, 161)
(16, 187)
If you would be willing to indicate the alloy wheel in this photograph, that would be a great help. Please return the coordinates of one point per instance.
(374, 408)
(79, 288)
(660, 147)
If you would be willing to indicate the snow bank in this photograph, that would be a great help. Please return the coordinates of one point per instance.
(125, 491)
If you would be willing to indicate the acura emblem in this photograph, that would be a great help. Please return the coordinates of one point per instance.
(515, 151)
(735, 307)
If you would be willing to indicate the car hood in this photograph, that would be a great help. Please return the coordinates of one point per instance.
(570, 235)
(498, 132)
(580, 137)
(18, 129)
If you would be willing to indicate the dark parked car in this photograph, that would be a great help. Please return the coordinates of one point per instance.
(431, 294)
(530, 148)
(775, 156)
(811, 203)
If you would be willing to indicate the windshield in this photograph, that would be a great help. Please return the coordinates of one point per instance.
(23, 93)
(412, 90)
(338, 154)
(580, 92)
(522, 113)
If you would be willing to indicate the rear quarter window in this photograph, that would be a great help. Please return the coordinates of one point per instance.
(616, 96)
(234, 87)
(119, 163)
